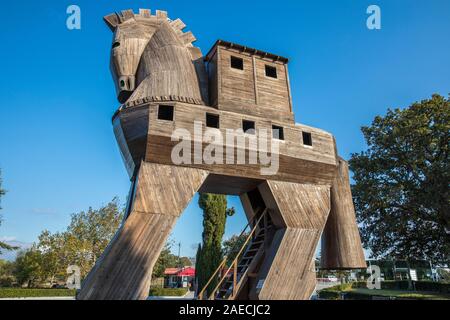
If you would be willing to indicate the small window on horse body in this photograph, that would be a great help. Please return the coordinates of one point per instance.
(277, 132)
(165, 112)
(271, 72)
(212, 120)
(116, 44)
(248, 126)
(237, 63)
(307, 138)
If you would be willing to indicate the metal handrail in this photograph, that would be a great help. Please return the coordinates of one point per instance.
(234, 263)
(221, 265)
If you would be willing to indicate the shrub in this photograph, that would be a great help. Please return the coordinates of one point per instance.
(336, 292)
(359, 284)
(395, 285)
(24, 293)
(6, 282)
(167, 292)
(432, 286)
(329, 294)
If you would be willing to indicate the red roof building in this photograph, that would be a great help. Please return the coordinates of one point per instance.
(179, 277)
(180, 272)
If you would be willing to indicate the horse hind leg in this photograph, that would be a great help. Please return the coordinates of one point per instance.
(341, 242)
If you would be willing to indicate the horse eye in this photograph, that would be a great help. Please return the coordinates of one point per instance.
(116, 44)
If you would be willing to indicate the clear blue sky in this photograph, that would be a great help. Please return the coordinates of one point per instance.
(58, 154)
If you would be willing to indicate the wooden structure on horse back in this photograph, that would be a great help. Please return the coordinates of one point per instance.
(165, 83)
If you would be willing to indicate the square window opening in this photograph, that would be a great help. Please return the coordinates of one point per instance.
(237, 63)
(307, 138)
(278, 132)
(271, 72)
(212, 121)
(165, 112)
(248, 126)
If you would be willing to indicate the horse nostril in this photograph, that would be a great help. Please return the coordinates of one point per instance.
(122, 84)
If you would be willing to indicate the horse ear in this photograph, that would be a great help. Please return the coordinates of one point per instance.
(112, 21)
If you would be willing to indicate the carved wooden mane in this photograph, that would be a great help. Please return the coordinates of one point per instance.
(155, 67)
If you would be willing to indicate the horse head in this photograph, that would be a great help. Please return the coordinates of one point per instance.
(152, 57)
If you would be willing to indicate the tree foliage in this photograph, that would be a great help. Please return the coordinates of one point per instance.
(231, 247)
(6, 273)
(81, 244)
(401, 183)
(209, 254)
(168, 260)
(28, 268)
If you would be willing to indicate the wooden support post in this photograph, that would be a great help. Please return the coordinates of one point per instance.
(299, 213)
(341, 243)
(124, 271)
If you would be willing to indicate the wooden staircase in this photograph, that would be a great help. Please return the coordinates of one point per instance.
(232, 276)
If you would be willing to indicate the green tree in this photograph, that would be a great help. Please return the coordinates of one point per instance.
(82, 243)
(185, 262)
(231, 247)
(54, 255)
(401, 183)
(90, 232)
(6, 273)
(28, 268)
(168, 260)
(209, 254)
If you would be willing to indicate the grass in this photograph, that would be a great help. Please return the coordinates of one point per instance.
(401, 294)
(33, 293)
(353, 291)
(167, 292)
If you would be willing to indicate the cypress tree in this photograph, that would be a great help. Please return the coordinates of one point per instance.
(209, 254)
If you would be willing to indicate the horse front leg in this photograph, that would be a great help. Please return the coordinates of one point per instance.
(160, 195)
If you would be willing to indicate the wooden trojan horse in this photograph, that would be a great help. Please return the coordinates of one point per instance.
(165, 83)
